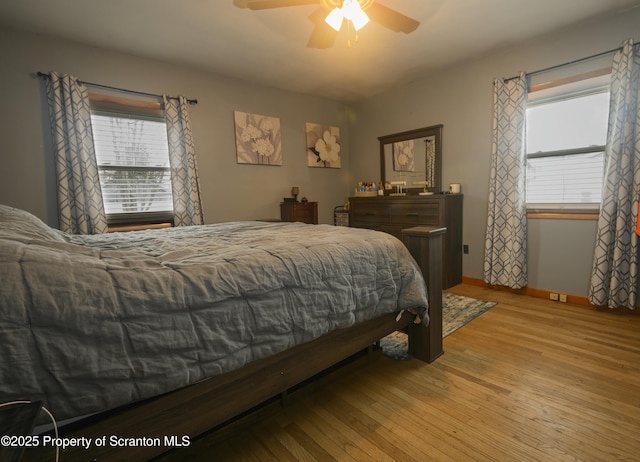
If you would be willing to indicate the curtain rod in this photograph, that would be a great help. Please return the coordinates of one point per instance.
(142, 93)
(575, 61)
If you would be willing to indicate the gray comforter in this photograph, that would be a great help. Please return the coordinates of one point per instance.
(89, 323)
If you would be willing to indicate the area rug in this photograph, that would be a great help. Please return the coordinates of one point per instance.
(457, 311)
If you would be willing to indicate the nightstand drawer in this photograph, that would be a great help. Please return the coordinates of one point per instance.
(306, 212)
(305, 215)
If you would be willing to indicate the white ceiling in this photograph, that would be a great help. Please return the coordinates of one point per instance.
(269, 46)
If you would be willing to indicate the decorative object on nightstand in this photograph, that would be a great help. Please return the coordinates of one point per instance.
(305, 212)
(295, 190)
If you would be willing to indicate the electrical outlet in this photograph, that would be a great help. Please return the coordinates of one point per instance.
(553, 296)
(465, 248)
(563, 298)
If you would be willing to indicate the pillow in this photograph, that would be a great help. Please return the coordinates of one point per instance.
(22, 225)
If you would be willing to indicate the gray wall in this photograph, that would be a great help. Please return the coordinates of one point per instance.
(560, 251)
(230, 191)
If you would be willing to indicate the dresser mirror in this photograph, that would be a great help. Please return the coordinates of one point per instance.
(412, 160)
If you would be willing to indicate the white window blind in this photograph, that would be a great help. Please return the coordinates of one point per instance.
(566, 135)
(133, 163)
(573, 179)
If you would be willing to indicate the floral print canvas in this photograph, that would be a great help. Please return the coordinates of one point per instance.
(403, 156)
(258, 139)
(323, 145)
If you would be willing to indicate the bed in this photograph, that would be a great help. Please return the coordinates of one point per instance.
(191, 324)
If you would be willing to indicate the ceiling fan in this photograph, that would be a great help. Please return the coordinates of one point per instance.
(328, 19)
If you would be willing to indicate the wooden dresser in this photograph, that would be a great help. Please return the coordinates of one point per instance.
(392, 214)
(306, 212)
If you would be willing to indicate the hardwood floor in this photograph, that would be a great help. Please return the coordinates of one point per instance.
(529, 380)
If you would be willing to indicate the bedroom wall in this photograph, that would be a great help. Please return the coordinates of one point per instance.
(230, 191)
(560, 251)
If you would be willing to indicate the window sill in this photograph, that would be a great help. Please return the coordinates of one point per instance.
(121, 227)
(563, 214)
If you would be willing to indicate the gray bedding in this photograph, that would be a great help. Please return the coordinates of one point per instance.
(89, 323)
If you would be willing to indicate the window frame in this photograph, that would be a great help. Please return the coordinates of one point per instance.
(599, 83)
(105, 104)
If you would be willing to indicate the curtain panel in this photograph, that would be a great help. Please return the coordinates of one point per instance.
(505, 259)
(614, 275)
(187, 207)
(80, 205)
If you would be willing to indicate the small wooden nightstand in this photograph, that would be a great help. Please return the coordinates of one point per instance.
(306, 212)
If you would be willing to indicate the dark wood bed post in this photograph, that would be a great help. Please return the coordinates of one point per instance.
(425, 245)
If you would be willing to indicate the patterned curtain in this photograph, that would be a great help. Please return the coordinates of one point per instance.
(80, 206)
(505, 259)
(614, 275)
(187, 208)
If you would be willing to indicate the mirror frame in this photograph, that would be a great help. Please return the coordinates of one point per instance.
(436, 132)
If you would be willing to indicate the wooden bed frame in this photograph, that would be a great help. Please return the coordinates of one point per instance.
(195, 409)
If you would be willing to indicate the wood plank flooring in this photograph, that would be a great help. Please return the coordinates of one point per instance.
(529, 380)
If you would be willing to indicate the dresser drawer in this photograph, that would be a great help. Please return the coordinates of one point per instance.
(418, 214)
(369, 214)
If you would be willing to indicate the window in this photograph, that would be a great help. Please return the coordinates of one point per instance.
(566, 135)
(133, 164)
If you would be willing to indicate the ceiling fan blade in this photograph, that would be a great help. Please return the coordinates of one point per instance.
(323, 35)
(267, 4)
(391, 19)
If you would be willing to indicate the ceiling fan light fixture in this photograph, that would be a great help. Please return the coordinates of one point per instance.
(360, 20)
(335, 18)
(353, 12)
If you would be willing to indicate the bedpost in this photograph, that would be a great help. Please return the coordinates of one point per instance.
(425, 245)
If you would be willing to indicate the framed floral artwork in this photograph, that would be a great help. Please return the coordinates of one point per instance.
(258, 139)
(403, 156)
(323, 145)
